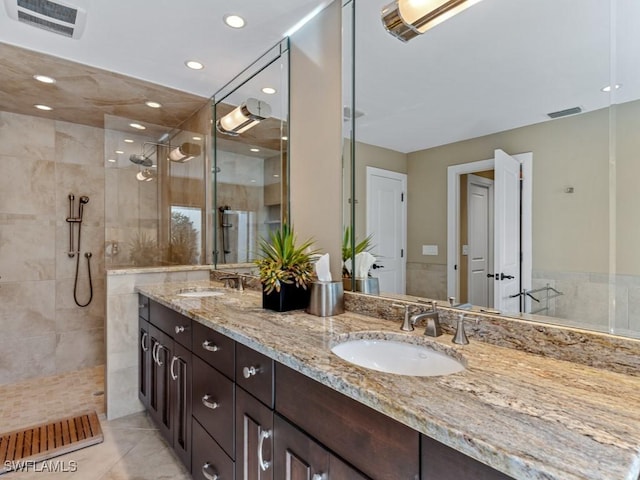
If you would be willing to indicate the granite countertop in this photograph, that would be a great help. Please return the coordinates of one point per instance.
(528, 416)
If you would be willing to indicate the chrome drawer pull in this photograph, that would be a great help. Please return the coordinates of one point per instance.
(248, 372)
(180, 328)
(173, 360)
(144, 335)
(264, 434)
(210, 346)
(158, 361)
(206, 474)
(206, 401)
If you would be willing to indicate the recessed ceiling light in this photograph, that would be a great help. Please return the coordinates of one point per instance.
(128, 140)
(253, 181)
(276, 175)
(285, 138)
(151, 104)
(254, 149)
(197, 139)
(44, 79)
(119, 152)
(269, 90)
(137, 126)
(43, 107)
(608, 87)
(194, 65)
(234, 21)
(112, 160)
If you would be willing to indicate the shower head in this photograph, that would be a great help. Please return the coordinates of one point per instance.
(140, 159)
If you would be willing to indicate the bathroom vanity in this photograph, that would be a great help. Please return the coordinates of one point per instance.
(241, 392)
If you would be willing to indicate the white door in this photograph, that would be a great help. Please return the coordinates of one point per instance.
(479, 249)
(507, 233)
(387, 223)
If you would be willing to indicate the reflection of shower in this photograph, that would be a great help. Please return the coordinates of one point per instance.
(76, 253)
(224, 230)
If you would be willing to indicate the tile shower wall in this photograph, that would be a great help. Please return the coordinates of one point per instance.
(43, 331)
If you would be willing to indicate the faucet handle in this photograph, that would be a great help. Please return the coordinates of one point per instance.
(452, 301)
(460, 338)
(407, 326)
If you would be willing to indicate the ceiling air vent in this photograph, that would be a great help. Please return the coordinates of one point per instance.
(564, 113)
(57, 17)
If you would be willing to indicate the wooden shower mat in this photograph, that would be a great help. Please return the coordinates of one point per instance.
(48, 440)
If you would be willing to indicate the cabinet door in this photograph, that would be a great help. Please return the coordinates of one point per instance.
(296, 456)
(440, 462)
(180, 372)
(254, 438)
(254, 373)
(160, 390)
(144, 361)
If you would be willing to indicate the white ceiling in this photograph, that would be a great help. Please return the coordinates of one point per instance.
(151, 40)
(498, 65)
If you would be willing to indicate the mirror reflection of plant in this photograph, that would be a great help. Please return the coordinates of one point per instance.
(143, 250)
(282, 261)
(364, 245)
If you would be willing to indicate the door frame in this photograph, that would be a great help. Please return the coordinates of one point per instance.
(453, 217)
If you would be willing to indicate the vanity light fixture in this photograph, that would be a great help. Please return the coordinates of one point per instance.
(137, 126)
(46, 108)
(185, 152)
(44, 79)
(234, 21)
(245, 116)
(151, 104)
(406, 19)
(194, 65)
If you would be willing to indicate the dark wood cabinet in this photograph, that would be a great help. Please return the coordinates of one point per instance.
(144, 361)
(254, 438)
(296, 455)
(440, 462)
(216, 349)
(160, 386)
(209, 460)
(180, 371)
(254, 373)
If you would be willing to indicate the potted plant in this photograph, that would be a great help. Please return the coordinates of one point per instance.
(285, 270)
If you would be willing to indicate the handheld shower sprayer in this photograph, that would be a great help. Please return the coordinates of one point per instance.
(72, 251)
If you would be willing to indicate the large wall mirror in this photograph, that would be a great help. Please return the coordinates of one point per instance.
(495, 158)
(250, 167)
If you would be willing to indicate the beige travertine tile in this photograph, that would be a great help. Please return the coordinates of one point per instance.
(27, 186)
(27, 357)
(27, 309)
(27, 252)
(25, 136)
(79, 144)
(79, 349)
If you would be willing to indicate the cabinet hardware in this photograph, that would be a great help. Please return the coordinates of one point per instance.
(206, 474)
(264, 434)
(206, 401)
(319, 476)
(142, 342)
(210, 346)
(154, 352)
(159, 362)
(173, 360)
(180, 328)
(248, 372)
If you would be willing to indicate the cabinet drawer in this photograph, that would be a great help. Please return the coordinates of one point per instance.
(214, 348)
(209, 460)
(172, 323)
(375, 444)
(254, 373)
(143, 307)
(214, 404)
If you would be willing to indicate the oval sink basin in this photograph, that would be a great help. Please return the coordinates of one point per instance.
(200, 293)
(401, 358)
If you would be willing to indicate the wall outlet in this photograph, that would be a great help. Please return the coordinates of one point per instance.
(429, 249)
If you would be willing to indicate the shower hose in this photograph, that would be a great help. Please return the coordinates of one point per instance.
(87, 255)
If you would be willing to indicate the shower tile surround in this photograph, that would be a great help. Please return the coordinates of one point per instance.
(41, 162)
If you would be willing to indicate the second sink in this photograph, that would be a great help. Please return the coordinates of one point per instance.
(401, 358)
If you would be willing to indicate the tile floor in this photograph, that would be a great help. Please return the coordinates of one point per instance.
(132, 447)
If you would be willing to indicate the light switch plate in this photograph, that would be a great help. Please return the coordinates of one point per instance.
(465, 249)
(429, 249)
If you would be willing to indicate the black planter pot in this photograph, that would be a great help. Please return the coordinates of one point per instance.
(288, 298)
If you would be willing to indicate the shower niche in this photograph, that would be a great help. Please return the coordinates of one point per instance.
(250, 169)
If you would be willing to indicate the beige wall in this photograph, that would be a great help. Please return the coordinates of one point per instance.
(315, 135)
(43, 331)
(570, 231)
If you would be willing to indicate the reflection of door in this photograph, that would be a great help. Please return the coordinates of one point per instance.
(480, 240)
(507, 233)
(387, 223)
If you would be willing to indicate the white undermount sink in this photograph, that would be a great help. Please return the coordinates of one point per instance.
(401, 358)
(208, 292)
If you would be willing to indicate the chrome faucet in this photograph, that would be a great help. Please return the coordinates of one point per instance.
(460, 337)
(233, 281)
(432, 317)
